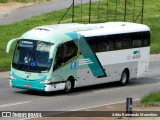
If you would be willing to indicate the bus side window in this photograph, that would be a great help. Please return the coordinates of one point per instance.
(92, 42)
(146, 38)
(59, 57)
(71, 51)
(17, 55)
(65, 52)
(110, 45)
(137, 40)
(126, 43)
(118, 45)
(137, 43)
(146, 42)
(101, 45)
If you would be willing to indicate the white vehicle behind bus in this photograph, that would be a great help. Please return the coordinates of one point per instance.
(67, 56)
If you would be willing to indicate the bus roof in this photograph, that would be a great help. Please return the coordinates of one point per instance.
(51, 32)
(114, 28)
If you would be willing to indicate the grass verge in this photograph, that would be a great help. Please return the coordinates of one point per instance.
(151, 98)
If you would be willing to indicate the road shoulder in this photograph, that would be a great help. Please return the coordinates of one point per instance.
(113, 109)
(7, 8)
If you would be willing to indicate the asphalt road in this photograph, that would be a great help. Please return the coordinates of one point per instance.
(35, 10)
(24, 100)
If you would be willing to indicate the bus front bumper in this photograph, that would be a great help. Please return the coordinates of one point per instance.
(36, 85)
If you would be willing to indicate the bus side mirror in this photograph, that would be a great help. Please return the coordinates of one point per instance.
(10, 43)
(51, 53)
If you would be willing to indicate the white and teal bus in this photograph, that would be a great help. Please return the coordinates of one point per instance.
(67, 56)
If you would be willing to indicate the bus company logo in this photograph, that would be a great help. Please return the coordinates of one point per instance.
(136, 54)
(28, 74)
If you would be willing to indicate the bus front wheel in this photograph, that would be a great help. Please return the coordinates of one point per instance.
(124, 78)
(68, 86)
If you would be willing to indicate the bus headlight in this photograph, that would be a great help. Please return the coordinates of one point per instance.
(48, 81)
(12, 78)
(45, 82)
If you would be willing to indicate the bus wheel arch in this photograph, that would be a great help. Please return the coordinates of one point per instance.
(69, 84)
(125, 77)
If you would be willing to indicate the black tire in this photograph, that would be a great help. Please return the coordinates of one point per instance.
(68, 86)
(124, 78)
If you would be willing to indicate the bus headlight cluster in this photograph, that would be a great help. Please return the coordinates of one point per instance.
(12, 78)
(48, 81)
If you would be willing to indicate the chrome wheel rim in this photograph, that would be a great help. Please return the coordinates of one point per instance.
(124, 78)
(68, 85)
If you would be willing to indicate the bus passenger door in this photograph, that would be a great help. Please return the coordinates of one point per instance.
(66, 60)
(58, 61)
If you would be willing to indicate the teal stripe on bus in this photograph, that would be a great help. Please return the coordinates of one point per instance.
(86, 51)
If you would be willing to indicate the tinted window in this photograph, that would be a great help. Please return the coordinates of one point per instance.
(65, 52)
(140, 39)
(110, 44)
(92, 42)
(101, 44)
(126, 42)
(146, 38)
(119, 41)
(70, 50)
(136, 43)
(118, 44)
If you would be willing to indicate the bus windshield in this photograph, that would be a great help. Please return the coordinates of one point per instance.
(32, 56)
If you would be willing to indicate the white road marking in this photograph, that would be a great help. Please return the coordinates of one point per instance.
(28, 118)
(107, 89)
(13, 104)
(100, 90)
(102, 105)
(155, 60)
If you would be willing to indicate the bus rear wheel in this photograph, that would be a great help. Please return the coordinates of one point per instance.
(124, 78)
(68, 86)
